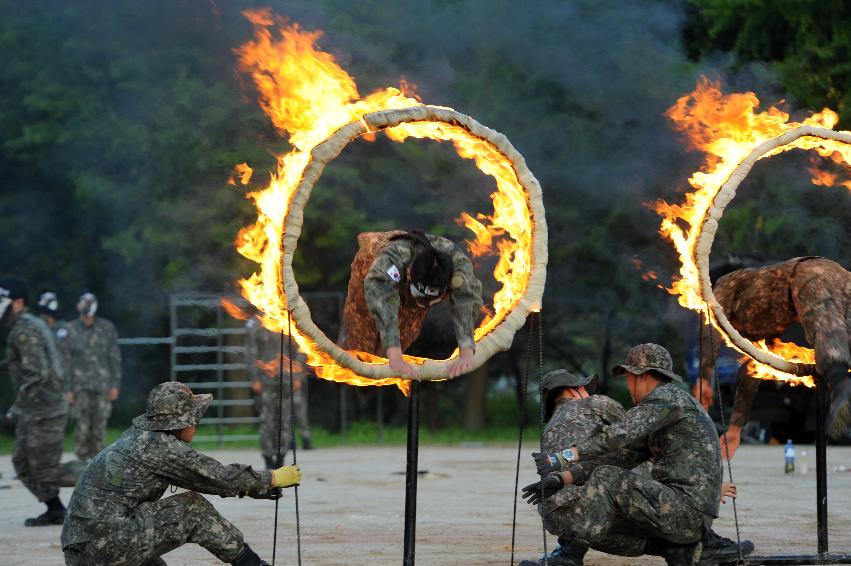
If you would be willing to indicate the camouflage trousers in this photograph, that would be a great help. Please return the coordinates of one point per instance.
(158, 527)
(91, 411)
(617, 510)
(269, 421)
(36, 455)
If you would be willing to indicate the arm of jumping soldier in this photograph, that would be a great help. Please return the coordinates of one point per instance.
(381, 290)
(465, 299)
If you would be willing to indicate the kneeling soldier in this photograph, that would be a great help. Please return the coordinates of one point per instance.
(116, 515)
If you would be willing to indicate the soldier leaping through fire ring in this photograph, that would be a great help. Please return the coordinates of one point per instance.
(824, 311)
(495, 335)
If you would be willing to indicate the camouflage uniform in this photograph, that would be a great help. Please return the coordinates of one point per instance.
(762, 302)
(40, 407)
(116, 514)
(95, 368)
(263, 350)
(381, 313)
(624, 508)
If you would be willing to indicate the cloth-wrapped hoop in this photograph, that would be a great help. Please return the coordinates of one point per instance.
(709, 227)
(501, 336)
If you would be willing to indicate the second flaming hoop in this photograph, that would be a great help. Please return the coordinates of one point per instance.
(495, 334)
(709, 226)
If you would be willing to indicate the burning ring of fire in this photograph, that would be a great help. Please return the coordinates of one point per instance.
(519, 193)
(709, 226)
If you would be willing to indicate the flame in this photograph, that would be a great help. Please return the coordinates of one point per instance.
(243, 172)
(787, 350)
(272, 367)
(308, 96)
(727, 128)
(233, 310)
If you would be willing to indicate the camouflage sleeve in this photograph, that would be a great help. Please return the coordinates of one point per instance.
(184, 467)
(465, 298)
(626, 457)
(632, 430)
(34, 365)
(609, 409)
(746, 388)
(380, 288)
(114, 358)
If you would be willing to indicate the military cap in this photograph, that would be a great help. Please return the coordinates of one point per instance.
(172, 406)
(651, 358)
(555, 380)
(47, 304)
(13, 288)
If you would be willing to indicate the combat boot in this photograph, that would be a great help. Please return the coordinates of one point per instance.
(248, 557)
(306, 444)
(717, 549)
(565, 554)
(270, 462)
(55, 515)
(839, 416)
(674, 554)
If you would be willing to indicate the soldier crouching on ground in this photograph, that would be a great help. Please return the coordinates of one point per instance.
(665, 513)
(396, 277)
(575, 413)
(39, 411)
(116, 515)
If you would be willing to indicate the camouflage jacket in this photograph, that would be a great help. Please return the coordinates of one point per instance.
(677, 435)
(574, 420)
(35, 367)
(94, 357)
(262, 356)
(386, 287)
(138, 468)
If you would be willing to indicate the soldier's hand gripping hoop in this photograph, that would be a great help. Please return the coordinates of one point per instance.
(547, 487)
(548, 463)
(286, 476)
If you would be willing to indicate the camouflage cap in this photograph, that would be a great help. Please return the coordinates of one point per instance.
(651, 358)
(172, 406)
(555, 380)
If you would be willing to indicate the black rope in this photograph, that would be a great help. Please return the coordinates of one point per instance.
(724, 428)
(279, 459)
(292, 430)
(523, 385)
(541, 416)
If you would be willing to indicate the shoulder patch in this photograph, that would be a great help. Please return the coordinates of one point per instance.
(393, 273)
(21, 338)
(457, 281)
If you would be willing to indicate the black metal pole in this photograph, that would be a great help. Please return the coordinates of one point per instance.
(411, 473)
(821, 464)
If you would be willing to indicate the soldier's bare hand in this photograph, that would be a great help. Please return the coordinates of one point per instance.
(70, 398)
(463, 363)
(727, 490)
(399, 365)
(730, 441)
(113, 393)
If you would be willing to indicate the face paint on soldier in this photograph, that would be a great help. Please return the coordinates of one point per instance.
(426, 296)
(87, 305)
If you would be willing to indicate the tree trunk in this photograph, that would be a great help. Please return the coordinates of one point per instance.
(475, 397)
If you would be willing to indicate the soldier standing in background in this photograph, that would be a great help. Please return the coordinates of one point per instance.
(761, 302)
(95, 375)
(48, 310)
(396, 277)
(40, 410)
(263, 355)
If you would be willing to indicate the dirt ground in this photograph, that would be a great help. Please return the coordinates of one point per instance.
(352, 509)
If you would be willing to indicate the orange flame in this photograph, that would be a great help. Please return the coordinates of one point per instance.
(243, 172)
(233, 310)
(727, 127)
(272, 367)
(787, 350)
(309, 96)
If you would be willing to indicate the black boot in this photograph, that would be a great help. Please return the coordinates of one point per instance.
(248, 557)
(720, 549)
(305, 443)
(839, 416)
(566, 553)
(674, 554)
(55, 515)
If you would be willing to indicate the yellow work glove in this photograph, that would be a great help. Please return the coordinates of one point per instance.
(286, 476)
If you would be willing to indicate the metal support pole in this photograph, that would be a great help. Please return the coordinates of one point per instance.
(821, 464)
(379, 415)
(411, 473)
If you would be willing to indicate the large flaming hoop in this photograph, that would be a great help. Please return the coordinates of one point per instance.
(709, 226)
(494, 334)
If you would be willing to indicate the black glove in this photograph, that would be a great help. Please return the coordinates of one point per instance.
(273, 494)
(548, 463)
(547, 487)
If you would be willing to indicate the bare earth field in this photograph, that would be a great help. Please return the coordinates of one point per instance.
(352, 509)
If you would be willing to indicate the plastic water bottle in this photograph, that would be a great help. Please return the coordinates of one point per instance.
(789, 455)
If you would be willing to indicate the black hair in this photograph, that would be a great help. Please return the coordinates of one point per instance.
(432, 268)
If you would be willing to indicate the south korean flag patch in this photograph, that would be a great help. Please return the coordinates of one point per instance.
(393, 273)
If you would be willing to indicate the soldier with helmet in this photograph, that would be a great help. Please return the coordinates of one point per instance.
(39, 411)
(396, 277)
(94, 375)
(117, 514)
